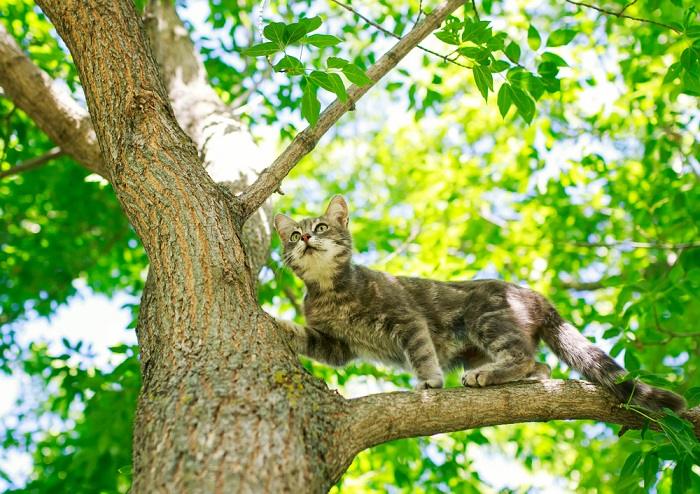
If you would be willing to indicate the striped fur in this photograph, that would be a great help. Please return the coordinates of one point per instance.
(490, 328)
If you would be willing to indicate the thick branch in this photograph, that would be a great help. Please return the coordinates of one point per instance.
(387, 416)
(229, 153)
(270, 179)
(52, 108)
(33, 163)
(622, 15)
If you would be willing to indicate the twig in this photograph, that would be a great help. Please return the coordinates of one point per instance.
(476, 12)
(420, 12)
(622, 11)
(620, 14)
(393, 35)
(415, 231)
(33, 163)
(639, 245)
(270, 178)
(581, 286)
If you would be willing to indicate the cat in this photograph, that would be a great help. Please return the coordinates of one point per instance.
(489, 327)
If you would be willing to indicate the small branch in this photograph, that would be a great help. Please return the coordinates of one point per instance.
(415, 231)
(33, 163)
(620, 14)
(270, 178)
(383, 417)
(393, 35)
(476, 12)
(628, 5)
(581, 286)
(639, 245)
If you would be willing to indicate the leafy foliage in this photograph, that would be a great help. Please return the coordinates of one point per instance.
(590, 197)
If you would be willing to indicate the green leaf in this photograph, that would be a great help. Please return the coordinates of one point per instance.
(499, 66)
(310, 105)
(330, 82)
(297, 30)
(630, 465)
(289, 65)
(693, 31)
(690, 60)
(554, 58)
(323, 40)
(483, 79)
(275, 33)
(681, 477)
(496, 42)
(356, 75)
(673, 72)
(650, 469)
(524, 104)
(533, 38)
(505, 98)
(548, 69)
(561, 37)
(512, 51)
(693, 396)
(336, 62)
(479, 54)
(476, 31)
(262, 49)
(449, 37)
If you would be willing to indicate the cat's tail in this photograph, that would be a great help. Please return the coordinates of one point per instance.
(597, 366)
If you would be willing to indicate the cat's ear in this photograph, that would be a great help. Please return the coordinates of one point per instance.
(337, 211)
(284, 226)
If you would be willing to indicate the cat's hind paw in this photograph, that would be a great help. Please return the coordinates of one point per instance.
(432, 383)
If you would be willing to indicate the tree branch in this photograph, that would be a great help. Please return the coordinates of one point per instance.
(639, 245)
(52, 108)
(393, 35)
(212, 125)
(270, 178)
(383, 417)
(622, 15)
(33, 163)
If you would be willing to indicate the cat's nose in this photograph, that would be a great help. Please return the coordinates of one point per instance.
(306, 237)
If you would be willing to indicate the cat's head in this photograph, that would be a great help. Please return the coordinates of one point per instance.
(317, 248)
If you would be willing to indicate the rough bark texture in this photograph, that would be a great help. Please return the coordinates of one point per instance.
(210, 123)
(225, 406)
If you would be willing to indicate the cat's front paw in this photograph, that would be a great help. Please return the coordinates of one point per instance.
(432, 383)
(477, 378)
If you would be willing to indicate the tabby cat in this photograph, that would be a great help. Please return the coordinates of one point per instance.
(489, 327)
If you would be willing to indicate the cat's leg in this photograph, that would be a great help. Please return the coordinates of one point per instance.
(511, 351)
(317, 345)
(417, 345)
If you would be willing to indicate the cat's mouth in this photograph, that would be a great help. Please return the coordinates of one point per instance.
(310, 250)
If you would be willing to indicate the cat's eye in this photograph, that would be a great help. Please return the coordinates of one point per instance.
(321, 227)
(295, 236)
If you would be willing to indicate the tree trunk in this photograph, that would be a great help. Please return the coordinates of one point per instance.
(225, 406)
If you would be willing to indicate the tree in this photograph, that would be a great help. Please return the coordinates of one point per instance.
(224, 404)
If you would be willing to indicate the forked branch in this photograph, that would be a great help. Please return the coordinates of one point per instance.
(270, 179)
(54, 111)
